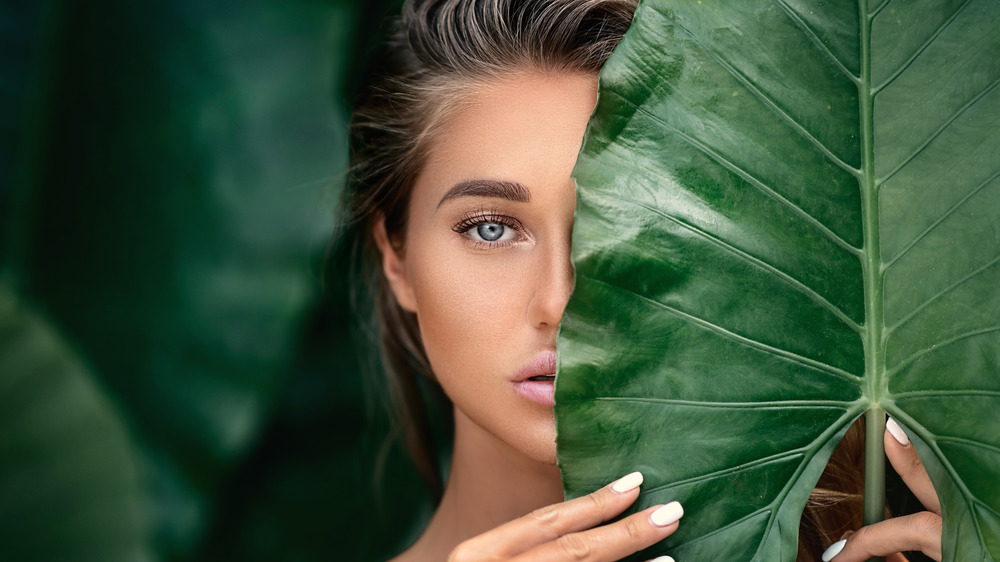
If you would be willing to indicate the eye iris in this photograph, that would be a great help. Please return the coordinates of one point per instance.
(490, 232)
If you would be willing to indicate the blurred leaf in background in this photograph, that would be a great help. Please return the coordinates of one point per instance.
(167, 202)
(68, 469)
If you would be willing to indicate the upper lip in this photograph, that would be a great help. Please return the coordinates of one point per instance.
(542, 364)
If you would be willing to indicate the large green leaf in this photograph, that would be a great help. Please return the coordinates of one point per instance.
(789, 215)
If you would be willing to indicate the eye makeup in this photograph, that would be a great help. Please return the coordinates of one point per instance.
(470, 222)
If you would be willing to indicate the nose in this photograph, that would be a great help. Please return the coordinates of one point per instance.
(554, 285)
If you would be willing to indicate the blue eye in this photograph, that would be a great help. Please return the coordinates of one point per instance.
(488, 229)
(491, 231)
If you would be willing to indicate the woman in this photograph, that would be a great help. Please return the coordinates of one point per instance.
(462, 205)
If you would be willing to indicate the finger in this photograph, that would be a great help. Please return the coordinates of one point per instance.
(917, 532)
(551, 522)
(903, 457)
(611, 542)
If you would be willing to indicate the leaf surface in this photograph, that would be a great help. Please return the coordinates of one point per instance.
(788, 214)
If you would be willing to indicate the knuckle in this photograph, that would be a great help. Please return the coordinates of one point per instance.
(630, 529)
(863, 535)
(927, 523)
(598, 501)
(545, 517)
(575, 546)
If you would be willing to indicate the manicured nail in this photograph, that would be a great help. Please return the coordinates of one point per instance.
(627, 483)
(662, 559)
(834, 550)
(667, 514)
(897, 432)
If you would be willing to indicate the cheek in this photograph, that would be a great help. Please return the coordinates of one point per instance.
(470, 309)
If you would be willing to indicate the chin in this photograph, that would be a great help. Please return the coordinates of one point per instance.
(542, 453)
(541, 447)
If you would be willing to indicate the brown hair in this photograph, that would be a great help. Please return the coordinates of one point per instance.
(837, 503)
(438, 50)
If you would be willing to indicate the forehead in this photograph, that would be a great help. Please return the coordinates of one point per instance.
(526, 126)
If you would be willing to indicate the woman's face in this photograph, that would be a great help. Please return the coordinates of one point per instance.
(486, 265)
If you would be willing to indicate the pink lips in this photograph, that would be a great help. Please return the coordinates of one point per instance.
(538, 391)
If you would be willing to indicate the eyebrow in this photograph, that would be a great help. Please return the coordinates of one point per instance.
(512, 191)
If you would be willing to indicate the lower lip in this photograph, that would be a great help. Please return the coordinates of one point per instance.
(539, 392)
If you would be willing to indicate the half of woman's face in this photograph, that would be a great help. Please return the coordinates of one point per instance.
(486, 266)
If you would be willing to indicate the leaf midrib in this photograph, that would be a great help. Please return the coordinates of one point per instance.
(871, 259)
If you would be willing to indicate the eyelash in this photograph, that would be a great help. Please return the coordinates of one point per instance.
(473, 220)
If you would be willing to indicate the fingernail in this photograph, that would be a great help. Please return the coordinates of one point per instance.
(897, 432)
(667, 514)
(627, 483)
(662, 559)
(834, 550)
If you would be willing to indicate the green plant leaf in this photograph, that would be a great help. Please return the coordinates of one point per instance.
(789, 214)
(175, 216)
(69, 484)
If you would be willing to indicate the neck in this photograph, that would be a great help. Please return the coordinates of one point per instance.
(489, 484)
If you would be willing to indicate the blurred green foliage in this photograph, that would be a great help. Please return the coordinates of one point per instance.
(178, 380)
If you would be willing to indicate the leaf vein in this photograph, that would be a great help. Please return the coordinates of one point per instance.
(916, 311)
(767, 405)
(989, 508)
(742, 340)
(935, 394)
(874, 13)
(968, 443)
(811, 34)
(799, 285)
(760, 185)
(940, 130)
(729, 470)
(940, 220)
(731, 524)
(777, 110)
(938, 347)
(923, 47)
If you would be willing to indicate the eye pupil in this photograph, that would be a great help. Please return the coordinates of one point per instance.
(490, 232)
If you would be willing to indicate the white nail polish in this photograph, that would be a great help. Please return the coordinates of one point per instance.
(667, 514)
(834, 550)
(897, 432)
(627, 483)
(663, 559)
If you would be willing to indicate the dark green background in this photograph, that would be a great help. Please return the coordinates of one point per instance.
(178, 375)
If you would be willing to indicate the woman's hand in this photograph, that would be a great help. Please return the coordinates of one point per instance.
(572, 530)
(920, 531)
